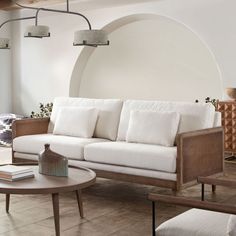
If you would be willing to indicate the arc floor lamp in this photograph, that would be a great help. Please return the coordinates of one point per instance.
(89, 37)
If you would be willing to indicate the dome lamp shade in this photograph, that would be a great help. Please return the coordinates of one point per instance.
(91, 38)
(37, 31)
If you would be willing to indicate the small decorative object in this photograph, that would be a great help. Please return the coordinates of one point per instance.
(213, 101)
(52, 163)
(45, 111)
(231, 92)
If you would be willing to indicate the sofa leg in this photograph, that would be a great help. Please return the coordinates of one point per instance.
(174, 192)
(213, 188)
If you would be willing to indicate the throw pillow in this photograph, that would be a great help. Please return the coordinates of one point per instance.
(153, 127)
(74, 121)
(231, 226)
(6, 121)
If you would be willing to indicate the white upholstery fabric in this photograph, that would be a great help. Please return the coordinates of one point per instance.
(195, 222)
(31, 157)
(194, 116)
(125, 170)
(77, 122)
(108, 116)
(144, 156)
(112, 168)
(231, 226)
(217, 119)
(71, 147)
(153, 127)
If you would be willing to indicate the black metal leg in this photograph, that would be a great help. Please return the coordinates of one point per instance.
(7, 202)
(203, 187)
(153, 219)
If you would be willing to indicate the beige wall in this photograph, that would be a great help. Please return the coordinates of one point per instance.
(154, 57)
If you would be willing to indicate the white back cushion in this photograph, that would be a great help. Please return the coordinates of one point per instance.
(153, 127)
(108, 115)
(76, 122)
(194, 116)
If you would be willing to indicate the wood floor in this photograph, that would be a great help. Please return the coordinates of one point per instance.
(111, 208)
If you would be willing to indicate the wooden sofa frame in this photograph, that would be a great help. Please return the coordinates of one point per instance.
(199, 153)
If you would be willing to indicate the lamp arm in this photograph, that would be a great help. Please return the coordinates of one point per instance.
(54, 10)
(61, 11)
(17, 19)
(26, 7)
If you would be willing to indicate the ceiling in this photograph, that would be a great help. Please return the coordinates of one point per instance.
(7, 5)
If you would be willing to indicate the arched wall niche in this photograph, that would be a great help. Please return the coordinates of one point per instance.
(150, 57)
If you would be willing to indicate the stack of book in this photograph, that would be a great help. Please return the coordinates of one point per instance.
(14, 173)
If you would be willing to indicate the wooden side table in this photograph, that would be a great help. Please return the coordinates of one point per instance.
(228, 111)
(214, 181)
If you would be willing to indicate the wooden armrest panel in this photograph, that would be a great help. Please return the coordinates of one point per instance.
(200, 153)
(29, 126)
(182, 201)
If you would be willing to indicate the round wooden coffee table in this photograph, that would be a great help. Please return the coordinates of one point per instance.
(77, 179)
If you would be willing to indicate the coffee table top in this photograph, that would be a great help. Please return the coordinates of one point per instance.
(78, 178)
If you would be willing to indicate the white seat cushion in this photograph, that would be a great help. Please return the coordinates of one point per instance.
(194, 116)
(144, 156)
(195, 222)
(108, 115)
(71, 147)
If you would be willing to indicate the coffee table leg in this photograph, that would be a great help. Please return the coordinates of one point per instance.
(80, 203)
(7, 202)
(55, 203)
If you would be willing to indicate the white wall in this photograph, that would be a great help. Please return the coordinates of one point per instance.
(150, 57)
(42, 68)
(5, 69)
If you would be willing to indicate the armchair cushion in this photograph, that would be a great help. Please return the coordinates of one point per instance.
(231, 227)
(195, 222)
(71, 147)
(136, 155)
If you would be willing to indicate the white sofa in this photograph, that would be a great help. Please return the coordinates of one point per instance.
(198, 148)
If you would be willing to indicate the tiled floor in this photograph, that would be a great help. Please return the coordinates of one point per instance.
(111, 208)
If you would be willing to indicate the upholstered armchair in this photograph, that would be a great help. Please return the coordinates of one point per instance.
(204, 219)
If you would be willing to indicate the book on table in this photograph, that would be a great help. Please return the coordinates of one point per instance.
(13, 173)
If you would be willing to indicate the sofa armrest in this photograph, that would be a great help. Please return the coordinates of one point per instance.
(193, 203)
(199, 153)
(29, 126)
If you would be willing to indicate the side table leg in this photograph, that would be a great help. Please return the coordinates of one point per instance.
(55, 203)
(7, 202)
(80, 202)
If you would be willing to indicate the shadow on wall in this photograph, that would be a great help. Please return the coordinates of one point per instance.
(150, 57)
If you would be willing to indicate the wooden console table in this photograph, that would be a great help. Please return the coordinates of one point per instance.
(228, 111)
